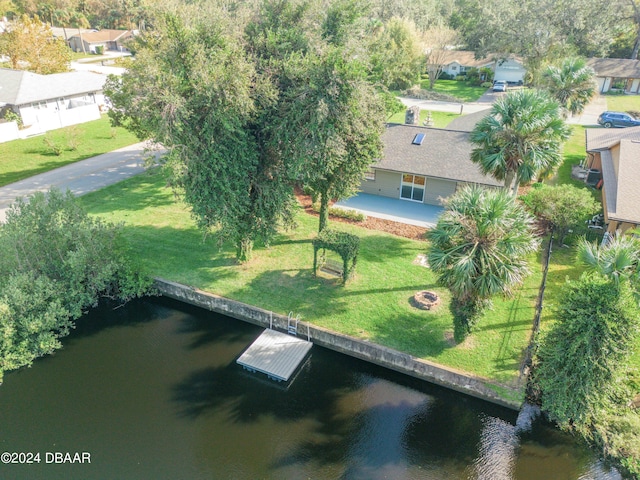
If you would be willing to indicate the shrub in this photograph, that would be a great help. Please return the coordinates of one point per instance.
(53, 145)
(57, 261)
(11, 116)
(100, 49)
(72, 138)
(342, 213)
(486, 84)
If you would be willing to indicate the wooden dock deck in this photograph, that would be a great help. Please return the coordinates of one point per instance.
(275, 354)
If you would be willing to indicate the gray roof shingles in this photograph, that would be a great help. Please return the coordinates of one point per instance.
(18, 87)
(615, 67)
(443, 154)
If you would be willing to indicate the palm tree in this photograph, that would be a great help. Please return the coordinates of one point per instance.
(478, 249)
(572, 84)
(519, 138)
(620, 258)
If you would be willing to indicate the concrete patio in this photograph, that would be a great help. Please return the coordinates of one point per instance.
(403, 211)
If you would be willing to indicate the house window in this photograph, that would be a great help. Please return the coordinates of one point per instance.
(412, 187)
(39, 105)
(370, 175)
(454, 67)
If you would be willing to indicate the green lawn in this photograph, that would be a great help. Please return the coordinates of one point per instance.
(375, 305)
(623, 103)
(440, 119)
(25, 158)
(460, 90)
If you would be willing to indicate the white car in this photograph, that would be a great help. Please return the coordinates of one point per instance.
(500, 86)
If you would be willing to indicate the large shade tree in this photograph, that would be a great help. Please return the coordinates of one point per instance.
(479, 249)
(572, 84)
(195, 91)
(520, 138)
(330, 126)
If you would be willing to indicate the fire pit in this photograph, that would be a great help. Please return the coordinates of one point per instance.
(426, 300)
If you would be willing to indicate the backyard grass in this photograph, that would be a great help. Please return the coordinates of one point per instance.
(460, 90)
(375, 305)
(25, 158)
(440, 119)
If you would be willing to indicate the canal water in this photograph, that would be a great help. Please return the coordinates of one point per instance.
(152, 391)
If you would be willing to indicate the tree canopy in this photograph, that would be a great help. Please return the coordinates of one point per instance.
(572, 84)
(30, 45)
(520, 138)
(479, 249)
(582, 357)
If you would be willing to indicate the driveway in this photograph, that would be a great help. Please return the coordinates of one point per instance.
(80, 177)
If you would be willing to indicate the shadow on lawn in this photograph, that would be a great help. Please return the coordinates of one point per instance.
(294, 290)
(379, 248)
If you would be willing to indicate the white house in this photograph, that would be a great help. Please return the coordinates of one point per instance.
(508, 68)
(47, 102)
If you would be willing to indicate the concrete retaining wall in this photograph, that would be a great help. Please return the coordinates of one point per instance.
(371, 352)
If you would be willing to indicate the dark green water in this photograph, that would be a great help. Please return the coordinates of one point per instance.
(152, 391)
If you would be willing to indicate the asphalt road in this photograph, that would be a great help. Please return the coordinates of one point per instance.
(80, 177)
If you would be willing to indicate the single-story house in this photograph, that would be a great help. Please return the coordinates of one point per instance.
(614, 154)
(47, 102)
(616, 73)
(109, 39)
(65, 32)
(509, 68)
(424, 165)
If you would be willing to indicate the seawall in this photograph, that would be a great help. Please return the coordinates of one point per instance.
(362, 349)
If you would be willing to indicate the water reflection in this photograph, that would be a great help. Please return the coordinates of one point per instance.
(153, 391)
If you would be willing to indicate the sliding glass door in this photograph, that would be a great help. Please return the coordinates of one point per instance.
(412, 187)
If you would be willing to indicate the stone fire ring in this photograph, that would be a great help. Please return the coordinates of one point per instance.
(426, 300)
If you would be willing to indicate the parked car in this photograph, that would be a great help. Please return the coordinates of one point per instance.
(500, 86)
(617, 119)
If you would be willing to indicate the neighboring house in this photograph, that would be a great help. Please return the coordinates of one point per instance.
(614, 155)
(424, 165)
(47, 102)
(66, 32)
(109, 39)
(616, 73)
(510, 68)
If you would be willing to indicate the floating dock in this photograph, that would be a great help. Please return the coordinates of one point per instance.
(275, 354)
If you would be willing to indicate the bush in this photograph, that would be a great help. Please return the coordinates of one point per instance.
(460, 78)
(56, 262)
(99, 49)
(53, 145)
(72, 138)
(446, 76)
(11, 116)
(584, 355)
(486, 84)
(342, 213)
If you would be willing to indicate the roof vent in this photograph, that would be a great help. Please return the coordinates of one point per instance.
(418, 139)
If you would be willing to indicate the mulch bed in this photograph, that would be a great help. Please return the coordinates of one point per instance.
(394, 228)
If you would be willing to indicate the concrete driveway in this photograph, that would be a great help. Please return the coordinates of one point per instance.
(80, 177)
